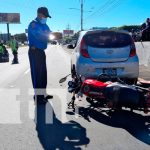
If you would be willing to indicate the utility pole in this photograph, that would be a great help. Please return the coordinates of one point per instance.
(8, 33)
(68, 28)
(81, 11)
(81, 15)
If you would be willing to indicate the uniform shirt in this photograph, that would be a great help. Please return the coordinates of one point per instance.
(38, 34)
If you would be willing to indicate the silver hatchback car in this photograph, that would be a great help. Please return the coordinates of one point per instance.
(105, 51)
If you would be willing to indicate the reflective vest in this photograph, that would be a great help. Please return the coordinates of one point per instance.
(1, 50)
(13, 45)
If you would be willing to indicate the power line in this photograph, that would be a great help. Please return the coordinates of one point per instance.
(103, 7)
(108, 6)
(113, 6)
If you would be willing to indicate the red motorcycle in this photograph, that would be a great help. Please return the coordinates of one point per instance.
(103, 92)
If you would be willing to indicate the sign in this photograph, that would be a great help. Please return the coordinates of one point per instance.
(68, 32)
(12, 18)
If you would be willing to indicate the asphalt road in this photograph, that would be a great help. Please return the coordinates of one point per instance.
(22, 124)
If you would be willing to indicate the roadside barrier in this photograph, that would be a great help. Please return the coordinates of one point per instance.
(143, 52)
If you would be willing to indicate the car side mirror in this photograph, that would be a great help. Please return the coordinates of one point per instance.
(70, 46)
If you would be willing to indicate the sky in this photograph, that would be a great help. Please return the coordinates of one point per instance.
(97, 13)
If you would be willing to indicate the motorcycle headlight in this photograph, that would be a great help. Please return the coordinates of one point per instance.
(70, 83)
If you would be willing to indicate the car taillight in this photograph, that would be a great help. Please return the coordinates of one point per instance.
(83, 49)
(133, 50)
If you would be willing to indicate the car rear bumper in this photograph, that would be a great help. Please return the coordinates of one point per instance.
(128, 69)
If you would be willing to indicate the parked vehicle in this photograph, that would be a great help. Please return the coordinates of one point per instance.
(105, 51)
(54, 42)
(4, 57)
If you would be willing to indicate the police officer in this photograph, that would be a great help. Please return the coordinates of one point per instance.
(38, 35)
(14, 47)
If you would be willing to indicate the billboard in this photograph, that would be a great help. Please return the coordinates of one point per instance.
(68, 32)
(10, 18)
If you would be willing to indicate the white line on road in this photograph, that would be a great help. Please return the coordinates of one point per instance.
(12, 86)
(60, 113)
(27, 71)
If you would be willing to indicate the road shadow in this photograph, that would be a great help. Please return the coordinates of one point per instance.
(57, 135)
(136, 124)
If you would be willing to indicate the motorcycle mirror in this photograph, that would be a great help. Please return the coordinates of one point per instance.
(62, 80)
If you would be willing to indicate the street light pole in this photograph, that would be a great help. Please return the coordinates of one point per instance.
(81, 15)
(8, 32)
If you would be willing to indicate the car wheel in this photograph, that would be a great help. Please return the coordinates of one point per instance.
(7, 60)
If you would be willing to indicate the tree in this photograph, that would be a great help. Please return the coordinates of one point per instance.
(128, 28)
(21, 37)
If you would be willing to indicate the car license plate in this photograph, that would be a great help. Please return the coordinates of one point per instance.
(110, 71)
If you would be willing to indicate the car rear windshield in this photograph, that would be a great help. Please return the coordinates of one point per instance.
(107, 39)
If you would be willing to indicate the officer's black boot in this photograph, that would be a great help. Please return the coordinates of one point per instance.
(40, 100)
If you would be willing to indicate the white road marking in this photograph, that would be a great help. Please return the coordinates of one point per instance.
(12, 86)
(62, 94)
(10, 106)
(27, 71)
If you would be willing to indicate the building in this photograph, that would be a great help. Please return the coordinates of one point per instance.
(4, 37)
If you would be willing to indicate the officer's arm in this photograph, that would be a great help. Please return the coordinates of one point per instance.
(37, 34)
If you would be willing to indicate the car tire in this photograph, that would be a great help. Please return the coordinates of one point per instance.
(7, 60)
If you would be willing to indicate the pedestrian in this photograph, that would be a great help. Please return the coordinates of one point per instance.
(133, 33)
(38, 36)
(146, 30)
(14, 47)
(148, 22)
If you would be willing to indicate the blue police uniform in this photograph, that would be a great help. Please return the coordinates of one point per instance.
(38, 35)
